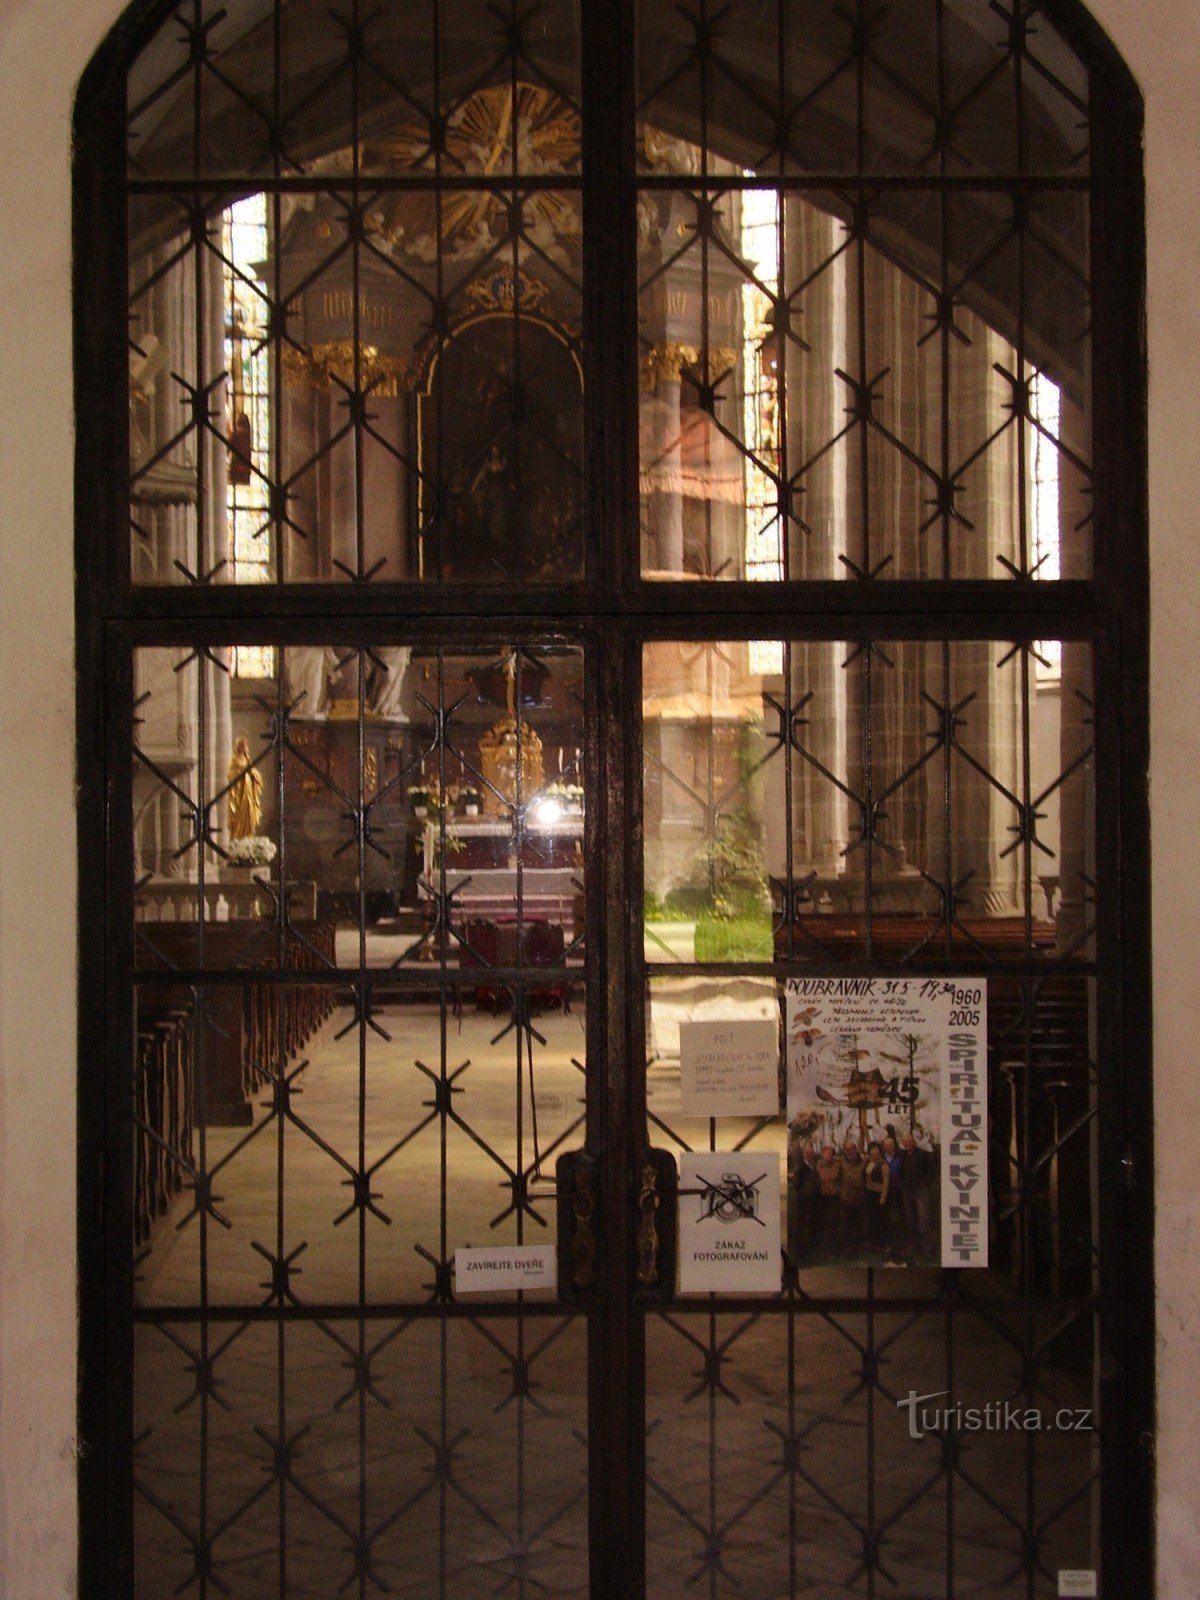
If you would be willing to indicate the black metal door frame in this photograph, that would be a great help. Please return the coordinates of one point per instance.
(613, 615)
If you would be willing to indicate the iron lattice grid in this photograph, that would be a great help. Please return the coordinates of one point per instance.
(612, 612)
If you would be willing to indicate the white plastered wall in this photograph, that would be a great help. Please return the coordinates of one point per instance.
(44, 46)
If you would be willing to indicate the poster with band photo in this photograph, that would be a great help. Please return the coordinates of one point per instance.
(887, 1121)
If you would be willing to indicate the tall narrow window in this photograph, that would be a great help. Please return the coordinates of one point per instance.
(760, 405)
(247, 364)
(760, 251)
(1045, 407)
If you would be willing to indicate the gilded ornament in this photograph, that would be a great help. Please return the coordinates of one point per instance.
(500, 291)
(668, 361)
(329, 364)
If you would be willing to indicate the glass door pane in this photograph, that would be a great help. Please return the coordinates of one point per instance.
(852, 1417)
(360, 986)
(361, 248)
(854, 379)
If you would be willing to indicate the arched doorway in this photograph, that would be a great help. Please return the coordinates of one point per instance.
(549, 819)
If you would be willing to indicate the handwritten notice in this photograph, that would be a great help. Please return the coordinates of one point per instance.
(519, 1266)
(729, 1231)
(729, 1068)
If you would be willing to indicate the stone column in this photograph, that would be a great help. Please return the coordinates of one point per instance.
(662, 460)
(982, 818)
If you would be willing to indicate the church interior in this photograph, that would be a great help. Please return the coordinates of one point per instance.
(363, 923)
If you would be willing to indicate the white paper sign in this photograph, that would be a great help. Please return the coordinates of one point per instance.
(519, 1266)
(895, 1070)
(1079, 1582)
(729, 1234)
(729, 1068)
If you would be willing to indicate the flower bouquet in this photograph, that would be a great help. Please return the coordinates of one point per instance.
(255, 850)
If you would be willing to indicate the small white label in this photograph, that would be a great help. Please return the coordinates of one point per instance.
(552, 1102)
(520, 1266)
(729, 1068)
(1079, 1582)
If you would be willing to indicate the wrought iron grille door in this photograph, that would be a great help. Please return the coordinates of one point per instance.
(602, 528)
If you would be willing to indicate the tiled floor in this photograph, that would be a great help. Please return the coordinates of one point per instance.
(299, 1457)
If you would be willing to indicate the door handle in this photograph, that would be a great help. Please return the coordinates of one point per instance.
(583, 1236)
(655, 1193)
(576, 1172)
(649, 1201)
(657, 1189)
